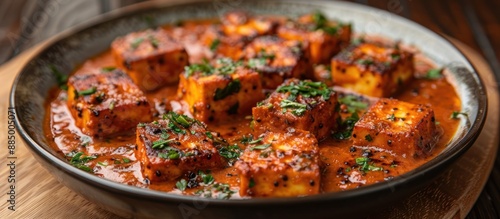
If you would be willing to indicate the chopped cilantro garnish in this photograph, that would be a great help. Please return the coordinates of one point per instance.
(455, 114)
(108, 69)
(180, 119)
(226, 67)
(233, 87)
(61, 78)
(154, 42)
(171, 153)
(366, 165)
(251, 183)
(260, 147)
(368, 138)
(353, 103)
(79, 160)
(206, 177)
(136, 42)
(231, 152)
(298, 109)
(364, 61)
(346, 126)
(306, 89)
(214, 45)
(321, 23)
(86, 92)
(162, 143)
(181, 185)
(434, 74)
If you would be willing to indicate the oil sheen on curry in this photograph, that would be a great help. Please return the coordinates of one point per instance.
(252, 106)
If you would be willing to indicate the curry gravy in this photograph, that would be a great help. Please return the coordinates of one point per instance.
(337, 157)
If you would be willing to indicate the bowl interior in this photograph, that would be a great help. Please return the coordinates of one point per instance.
(73, 47)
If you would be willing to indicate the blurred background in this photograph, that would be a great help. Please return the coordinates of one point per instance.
(24, 23)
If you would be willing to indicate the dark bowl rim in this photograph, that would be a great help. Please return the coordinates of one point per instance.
(442, 159)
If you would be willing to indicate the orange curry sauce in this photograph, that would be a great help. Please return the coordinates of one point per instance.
(336, 156)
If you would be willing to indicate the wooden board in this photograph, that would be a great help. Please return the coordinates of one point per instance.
(452, 195)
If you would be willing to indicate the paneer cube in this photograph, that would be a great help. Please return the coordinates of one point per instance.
(214, 92)
(372, 70)
(406, 129)
(238, 28)
(105, 101)
(151, 58)
(280, 165)
(174, 145)
(325, 38)
(304, 105)
(277, 59)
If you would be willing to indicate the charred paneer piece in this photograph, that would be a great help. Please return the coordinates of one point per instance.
(304, 105)
(151, 58)
(169, 147)
(106, 101)
(280, 165)
(325, 38)
(372, 69)
(237, 29)
(277, 59)
(406, 129)
(214, 92)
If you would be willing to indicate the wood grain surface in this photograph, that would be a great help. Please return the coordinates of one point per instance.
(452, 195)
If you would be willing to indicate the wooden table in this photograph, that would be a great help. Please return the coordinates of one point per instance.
(474, 23)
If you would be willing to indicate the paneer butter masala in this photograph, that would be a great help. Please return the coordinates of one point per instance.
(252, 106)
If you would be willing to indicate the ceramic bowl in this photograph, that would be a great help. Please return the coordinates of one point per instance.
(72, 47)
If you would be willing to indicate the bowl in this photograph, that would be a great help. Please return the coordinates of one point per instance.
(72, 47)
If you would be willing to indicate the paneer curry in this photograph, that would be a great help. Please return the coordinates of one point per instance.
(252, 106)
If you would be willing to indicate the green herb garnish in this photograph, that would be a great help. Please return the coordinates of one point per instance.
(61, 78)
(455, 114)
(214, 45)
(171, 154)
(154, 42)
(298, 109)
(181, 185)
(260, 147)
(108, 69)
(231, 152)
(79, 160)
(180, 119)
(162, 143)
(136, 43)
(231, 88)
(368, 138)
(434, 74)
(353, 103)
(206, 177)
(365, 62)
(306, 89)
(347, 125)
(86, 92)
(365, 165)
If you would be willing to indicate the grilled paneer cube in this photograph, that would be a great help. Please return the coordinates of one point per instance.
(152, 58)
(238, 29)
(106, 101)
(372, 70)
(304, 105)
(213, 92)
(280, 165)
(406, 129)
(174, 145)
(277, 59)
(326, 38)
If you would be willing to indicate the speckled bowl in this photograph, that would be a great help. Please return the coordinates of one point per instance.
(74, 46)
